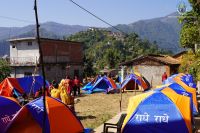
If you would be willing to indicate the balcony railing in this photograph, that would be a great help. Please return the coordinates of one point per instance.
(23, 61)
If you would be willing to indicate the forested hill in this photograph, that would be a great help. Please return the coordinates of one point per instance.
(104, 48)
(164, 30)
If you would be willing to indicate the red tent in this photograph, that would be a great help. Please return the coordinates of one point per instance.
(8, 85)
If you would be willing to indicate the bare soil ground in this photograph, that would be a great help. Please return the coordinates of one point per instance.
(95, 109)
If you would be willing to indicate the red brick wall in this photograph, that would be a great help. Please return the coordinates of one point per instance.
(72, 50)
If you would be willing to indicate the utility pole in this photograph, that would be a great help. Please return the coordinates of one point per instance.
(42, 65)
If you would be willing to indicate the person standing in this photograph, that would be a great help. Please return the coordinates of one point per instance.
(69, 85)
(76, 83)
(55, 92)
(164, 76)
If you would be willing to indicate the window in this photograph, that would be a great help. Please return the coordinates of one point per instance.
(26, 74)
(29, 43)
(13, 46)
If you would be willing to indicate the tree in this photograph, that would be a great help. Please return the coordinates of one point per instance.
(88, 67)
(190, 32)
(112, 57)
(4, 69)
(189, 36)
(105, 48)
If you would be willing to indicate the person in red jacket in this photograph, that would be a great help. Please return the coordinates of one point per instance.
(76, 83)
(164, 76)
(69, 85)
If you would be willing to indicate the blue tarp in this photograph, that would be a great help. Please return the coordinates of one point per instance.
(31, 83)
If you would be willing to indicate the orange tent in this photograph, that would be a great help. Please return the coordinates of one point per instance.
(8, 85)
(59, 118)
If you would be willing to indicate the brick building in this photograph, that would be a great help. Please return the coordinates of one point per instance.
(61, 58)
(152, 67)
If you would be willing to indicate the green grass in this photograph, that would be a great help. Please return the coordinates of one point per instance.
(95, 109)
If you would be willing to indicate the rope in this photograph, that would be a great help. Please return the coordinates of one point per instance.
(31, 90)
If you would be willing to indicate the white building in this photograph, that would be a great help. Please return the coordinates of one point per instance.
(61, 58)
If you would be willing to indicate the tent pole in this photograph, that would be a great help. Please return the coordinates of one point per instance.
(120, 102)
(135, 87)
(122, 78)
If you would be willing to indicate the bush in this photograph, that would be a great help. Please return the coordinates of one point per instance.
(191, 64)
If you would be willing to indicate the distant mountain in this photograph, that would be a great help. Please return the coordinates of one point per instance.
(51, 27)
(49, 30)
(164, 31)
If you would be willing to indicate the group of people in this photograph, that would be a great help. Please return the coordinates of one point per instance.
(66, 90)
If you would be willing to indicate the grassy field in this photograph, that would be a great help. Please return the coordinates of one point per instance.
(95, 109)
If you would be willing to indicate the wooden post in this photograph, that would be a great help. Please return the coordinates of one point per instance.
(42, 65)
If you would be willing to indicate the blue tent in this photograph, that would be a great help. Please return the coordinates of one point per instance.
(158, 112)
(170, 79)
(103, 84)
(189, 80)
(180, 90)
(9, 108)
(31, 83)
(186, 78)
(90, 85)
(132, 81)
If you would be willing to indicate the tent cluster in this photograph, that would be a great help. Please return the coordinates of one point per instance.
(30, 118)
(104, 84)
(59, 118)
(19, 86)
(168, 108)
(100, 84)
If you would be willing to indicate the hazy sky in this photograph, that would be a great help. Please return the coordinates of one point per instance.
(64, 11)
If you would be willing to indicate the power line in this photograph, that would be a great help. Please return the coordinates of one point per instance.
(16, 19)
(97, 17)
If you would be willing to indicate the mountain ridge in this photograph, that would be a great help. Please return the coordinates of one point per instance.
(163, 30)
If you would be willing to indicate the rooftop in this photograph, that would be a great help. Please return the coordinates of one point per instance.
(165, 59)
(34, 38)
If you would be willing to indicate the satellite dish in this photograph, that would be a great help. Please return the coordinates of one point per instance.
(181, 8)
